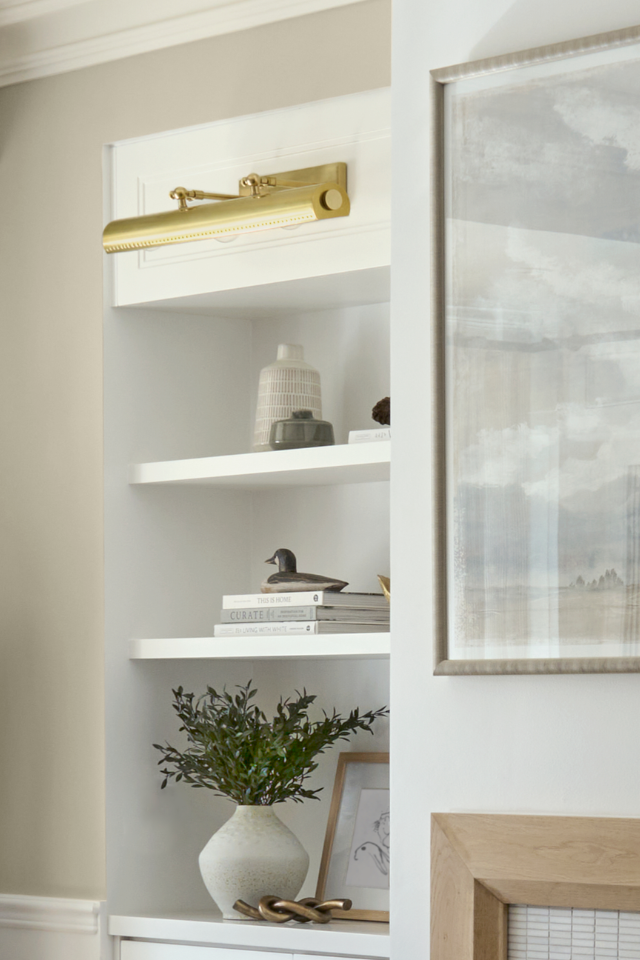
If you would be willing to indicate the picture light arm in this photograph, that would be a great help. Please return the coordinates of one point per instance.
(256, 185)
(181, 194)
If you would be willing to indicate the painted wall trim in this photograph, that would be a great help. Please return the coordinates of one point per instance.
(15, 11)
(51, 914)
(225, 18)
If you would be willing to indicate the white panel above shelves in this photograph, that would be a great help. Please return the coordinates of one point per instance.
(353, 129)
(343, 463)
(336, 646)
(350, 938)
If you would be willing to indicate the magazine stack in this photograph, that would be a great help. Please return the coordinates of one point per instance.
(295, 614)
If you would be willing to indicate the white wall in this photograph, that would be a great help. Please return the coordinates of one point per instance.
(507, 744)
(552, 745)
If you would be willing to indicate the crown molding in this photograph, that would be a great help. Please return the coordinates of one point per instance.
(117, 44)
(16, 11)
(52, 914)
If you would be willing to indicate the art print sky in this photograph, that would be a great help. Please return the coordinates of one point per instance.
(543, 361)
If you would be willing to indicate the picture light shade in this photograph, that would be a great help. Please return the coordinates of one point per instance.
(280, 208)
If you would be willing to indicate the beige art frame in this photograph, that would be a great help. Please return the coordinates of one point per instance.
(344, 761)
(481, 863)
(440, 78)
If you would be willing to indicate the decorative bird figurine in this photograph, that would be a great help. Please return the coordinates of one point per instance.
(288, 580)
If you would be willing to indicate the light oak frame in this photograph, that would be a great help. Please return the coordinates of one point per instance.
(480, 863)
(439, 79)
(334, 811)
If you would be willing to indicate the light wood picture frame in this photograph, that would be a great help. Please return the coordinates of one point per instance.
(356, 845)
(481, 863)
(536, 255)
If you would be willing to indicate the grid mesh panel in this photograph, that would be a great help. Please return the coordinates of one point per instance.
(553, 933)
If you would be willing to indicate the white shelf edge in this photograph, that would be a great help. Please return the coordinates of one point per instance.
(343, 463)
(336, 646)
(351, 938)
(283, 298)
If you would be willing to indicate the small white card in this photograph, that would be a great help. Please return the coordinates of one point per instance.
(369, 436)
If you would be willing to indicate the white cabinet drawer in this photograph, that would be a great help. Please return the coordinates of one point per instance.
(145, 950)
(354, 129)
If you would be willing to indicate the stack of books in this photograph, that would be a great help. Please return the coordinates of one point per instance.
(294, 614)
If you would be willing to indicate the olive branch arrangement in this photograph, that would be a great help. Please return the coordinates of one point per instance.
(238, 753)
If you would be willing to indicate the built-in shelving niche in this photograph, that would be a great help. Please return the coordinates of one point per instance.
(181, 386)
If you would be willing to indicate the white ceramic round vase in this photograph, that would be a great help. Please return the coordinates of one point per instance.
(253, 854)
(288, 384)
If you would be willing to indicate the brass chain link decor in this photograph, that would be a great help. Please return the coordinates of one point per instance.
(307, 910)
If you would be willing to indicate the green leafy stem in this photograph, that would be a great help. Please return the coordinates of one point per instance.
(238, 753)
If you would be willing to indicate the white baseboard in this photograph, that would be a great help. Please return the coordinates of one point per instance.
(49, 928)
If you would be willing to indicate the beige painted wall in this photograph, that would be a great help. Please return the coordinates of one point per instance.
(51, 137)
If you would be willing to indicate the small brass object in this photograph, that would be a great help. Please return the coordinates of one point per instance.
(262, 202)
(385, 583)
(308, 910)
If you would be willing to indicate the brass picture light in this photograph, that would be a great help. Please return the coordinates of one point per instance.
(263, 202)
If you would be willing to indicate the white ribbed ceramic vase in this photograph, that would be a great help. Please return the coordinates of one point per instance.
(253, 854)
(288, 384)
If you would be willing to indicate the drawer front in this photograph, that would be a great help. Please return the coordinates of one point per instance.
(146, 950)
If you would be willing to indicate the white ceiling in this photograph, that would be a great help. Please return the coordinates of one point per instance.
(42, 37)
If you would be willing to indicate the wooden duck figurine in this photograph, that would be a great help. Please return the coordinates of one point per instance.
(288, 580)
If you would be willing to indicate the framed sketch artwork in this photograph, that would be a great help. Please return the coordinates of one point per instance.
(537, 306)
(356, 854)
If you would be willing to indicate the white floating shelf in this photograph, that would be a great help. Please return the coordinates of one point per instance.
(349, 938)
(337, 646)
(286, 298)
(316, 466)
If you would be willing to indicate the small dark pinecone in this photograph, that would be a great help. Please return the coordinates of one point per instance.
(381, 413)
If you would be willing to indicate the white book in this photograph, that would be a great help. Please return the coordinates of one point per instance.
(369, 436)
(304, 598)
(313, 612)
(296, 628)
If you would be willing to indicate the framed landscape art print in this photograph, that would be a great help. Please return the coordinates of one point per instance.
(536, 193)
